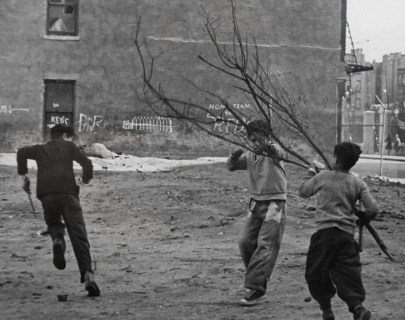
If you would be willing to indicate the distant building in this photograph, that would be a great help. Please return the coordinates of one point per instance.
(366, 91)
(74, 62)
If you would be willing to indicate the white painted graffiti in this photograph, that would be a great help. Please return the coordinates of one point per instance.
(8, 109)
(89, 124)
(213, 106)
(96, 123)
(148, 124)
(58, 120)
(226, 125)
(225, 121)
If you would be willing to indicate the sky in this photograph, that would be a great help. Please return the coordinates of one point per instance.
(377, 26)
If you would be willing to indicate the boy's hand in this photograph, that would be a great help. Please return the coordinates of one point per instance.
(26, 184)
(363, 218)
(236, 154)
(85, 180)
(315, 168)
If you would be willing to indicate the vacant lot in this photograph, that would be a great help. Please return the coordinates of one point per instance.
(165, 244)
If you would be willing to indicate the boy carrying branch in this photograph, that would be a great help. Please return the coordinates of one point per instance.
(333, 260)
(267, 184)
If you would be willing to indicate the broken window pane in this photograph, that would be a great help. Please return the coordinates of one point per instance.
(62, 18)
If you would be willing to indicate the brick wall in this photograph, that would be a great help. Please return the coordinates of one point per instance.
(301, 38)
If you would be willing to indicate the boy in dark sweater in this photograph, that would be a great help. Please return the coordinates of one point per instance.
(59, 195)
(267, 184)
(333, 260)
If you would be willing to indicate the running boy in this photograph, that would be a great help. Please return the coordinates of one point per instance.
(59, 195)
(267, 184)
(333, 260)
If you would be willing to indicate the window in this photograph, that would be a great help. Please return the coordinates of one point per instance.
(62, 17)
(401, 78)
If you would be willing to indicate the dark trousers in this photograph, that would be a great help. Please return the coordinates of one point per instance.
(67, 206)
(333, 265)
(261, 240)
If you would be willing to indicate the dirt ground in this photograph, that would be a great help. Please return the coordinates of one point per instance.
(166, 247)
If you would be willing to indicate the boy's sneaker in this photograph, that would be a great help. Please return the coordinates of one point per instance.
(251, 297)
(361, 313)
(91, 285)
(328, 314)
(59, 254)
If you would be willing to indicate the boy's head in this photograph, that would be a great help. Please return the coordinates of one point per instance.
(258, 132)
(347, 154)
(61, 130)
(258, 127)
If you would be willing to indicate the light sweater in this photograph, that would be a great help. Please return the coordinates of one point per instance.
(338, 194)
(266, 176)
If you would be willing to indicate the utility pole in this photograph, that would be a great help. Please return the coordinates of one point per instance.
(382, 135)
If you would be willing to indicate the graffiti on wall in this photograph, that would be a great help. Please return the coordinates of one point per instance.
(52, 120)
(148, 124)
(90, 123)
(98, 123)
(8, 109)
(225, 122)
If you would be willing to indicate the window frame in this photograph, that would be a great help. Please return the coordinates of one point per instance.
(63, 3)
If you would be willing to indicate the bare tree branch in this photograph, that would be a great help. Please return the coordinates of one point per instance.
(271, 100)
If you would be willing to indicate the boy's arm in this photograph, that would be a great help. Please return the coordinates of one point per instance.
(309, 187)
(237, 161)
(23, 154)
(370, 205)
(87, 165)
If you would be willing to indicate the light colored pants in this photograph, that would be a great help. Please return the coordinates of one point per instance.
(261, 240)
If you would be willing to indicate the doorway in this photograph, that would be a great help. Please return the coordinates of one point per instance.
(59, 102)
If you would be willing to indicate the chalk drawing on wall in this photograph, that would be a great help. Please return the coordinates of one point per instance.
(225, 122)
(98, 123)
(89, 123)
(148, 124)
(58, 120)
(8, 109)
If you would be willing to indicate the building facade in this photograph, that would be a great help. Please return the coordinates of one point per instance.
(375, 97)
(74, 62)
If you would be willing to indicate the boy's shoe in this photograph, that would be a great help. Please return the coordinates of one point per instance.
(361, 313)
(91, 285)
(328, 314)
(59, 254)
(251, 297)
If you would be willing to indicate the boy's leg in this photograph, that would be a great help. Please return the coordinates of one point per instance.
(53, 215)
(320, 255)
(56, 229)
(248, 242)
(76, 229)
(269, 239)
(346, 273)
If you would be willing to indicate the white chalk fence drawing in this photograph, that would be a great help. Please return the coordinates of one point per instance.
(93, 123)
(8, 109)
(148, 124)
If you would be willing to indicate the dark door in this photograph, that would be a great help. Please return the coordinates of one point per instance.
(59, 104)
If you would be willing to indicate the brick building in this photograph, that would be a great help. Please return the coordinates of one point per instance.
(365, 91)
(74, 62)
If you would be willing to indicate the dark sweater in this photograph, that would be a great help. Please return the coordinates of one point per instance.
(55, 166)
